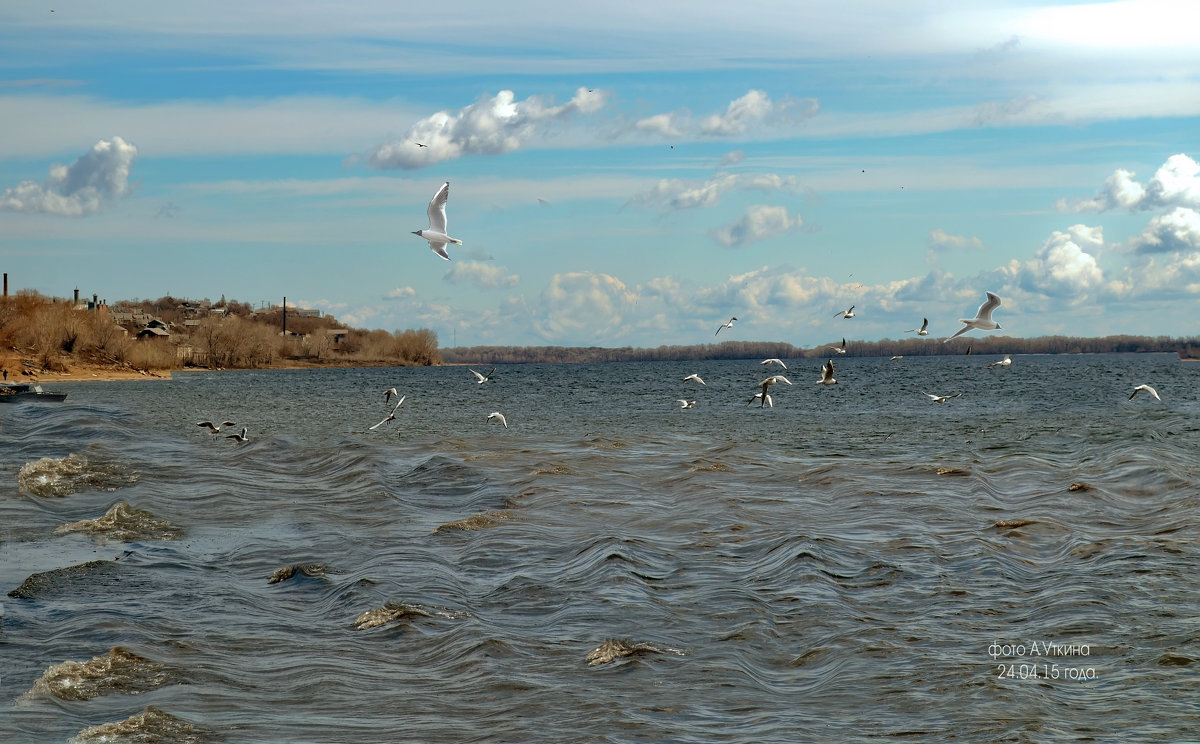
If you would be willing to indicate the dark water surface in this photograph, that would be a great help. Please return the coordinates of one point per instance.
(855, 564)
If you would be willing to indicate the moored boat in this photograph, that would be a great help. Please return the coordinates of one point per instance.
(22, 392)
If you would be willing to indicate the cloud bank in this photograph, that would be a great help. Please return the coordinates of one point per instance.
(93, 180)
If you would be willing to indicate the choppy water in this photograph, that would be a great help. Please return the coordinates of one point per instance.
(610, 568)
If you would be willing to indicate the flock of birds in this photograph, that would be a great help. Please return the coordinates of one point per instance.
(438, 239)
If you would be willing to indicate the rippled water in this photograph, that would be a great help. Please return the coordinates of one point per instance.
(844, 566)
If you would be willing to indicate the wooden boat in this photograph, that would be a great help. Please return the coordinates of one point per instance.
(15, 393)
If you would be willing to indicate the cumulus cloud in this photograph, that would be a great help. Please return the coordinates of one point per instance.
(753, 108)
(1175, 184)
(1065, 266)
(584, 307)
(482, 275)
(758, 223)
(666, 125)
(678, 193)
(942, 241)
(490, 126)
(1176, 231)
(94, 179)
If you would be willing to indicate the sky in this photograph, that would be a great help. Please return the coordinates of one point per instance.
(629, 174)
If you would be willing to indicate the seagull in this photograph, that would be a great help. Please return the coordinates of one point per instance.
(686, 403)
(214, 428)
(1147, 388)
(240, 437)
(827, 374)
(390, 417)
(436, 234)
(768, 383)
(898, 356)
(725, 325)
(1005, 362)
(499, 417)
(923, 330)
(840, 349)
(774, 361)
(846, 314)
(940, 398)
(387, 394)
(694, 377)
(983, 319)
(418, 144)
(766, 399)
(480, 379)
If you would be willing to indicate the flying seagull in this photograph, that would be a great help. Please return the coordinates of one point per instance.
(240, 437)
(686, 403)
(766, 399)
(1147, 388)
(923, 330)
(499, 417)
(694, 377)
(387, 395)
(773, 361)
(1005, 362)
(480, 379)
(767, 383)
(725, 325)
(390, 417)
(940, 398)
(846, 314)
(840, 349)
(436, 234)
(827, 374)
(214, 428)
(982, 320)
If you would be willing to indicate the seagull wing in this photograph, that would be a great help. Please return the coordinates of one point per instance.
(439, 248)
(209, 425)
(985, 310)
(960, 331)
(390, 417)
(924, 323)
(478, 376)
(437, 210)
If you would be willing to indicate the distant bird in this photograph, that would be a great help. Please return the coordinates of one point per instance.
(774, 361)
(840, 349)
(898, 356)
(418, 144)
(766, 399)
(214, 428)
(1147, 388)
(239, 437)
(387, 394)
(846, 314)
(923, 330)
(940, 398)
(983, 319)
(725, 325)
(390, 417)
(1005, 362)
(827, 374)
(968, 351)
(436, 234)
(694, 377)
(499, 417)
(686, 403)
(480, 379)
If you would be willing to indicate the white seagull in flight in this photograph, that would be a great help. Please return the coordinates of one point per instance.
(840, 349)
(940, 398)
(387, 395)
(982, 320)
(436, 234)
(499, 417)
(847, 314)
(480, 379)
(1147, 388)
(773, 360)
(923, 330)
(1005, 362)
(827, 374)
(686, 403)
(390, 417)
(215, 429)
(725, 325)
(696, 378)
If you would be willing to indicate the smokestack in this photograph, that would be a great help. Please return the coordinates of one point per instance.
(6, 284)
(285, 315)
(77, 295)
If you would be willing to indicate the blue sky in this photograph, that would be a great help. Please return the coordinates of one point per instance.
(625, 175)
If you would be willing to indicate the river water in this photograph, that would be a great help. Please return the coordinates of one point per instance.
(856, 563)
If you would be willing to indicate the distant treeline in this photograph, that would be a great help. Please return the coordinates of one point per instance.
(768, 349)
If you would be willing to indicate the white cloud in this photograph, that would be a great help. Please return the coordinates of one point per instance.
(731, 158)
(1175, 184)
(666, 125)
(1177, 231)
(482, 275)
(758, 223)
(490, 126)
(400, 293)
(98, 177)
(584, 308)
(942, 241)
(1064, 267)
(677, 193)
(753, 108)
